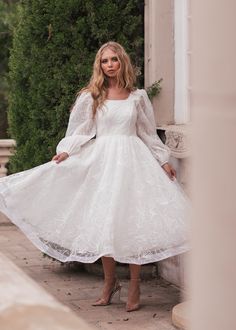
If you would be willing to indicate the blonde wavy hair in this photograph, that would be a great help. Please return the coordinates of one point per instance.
(98, 85)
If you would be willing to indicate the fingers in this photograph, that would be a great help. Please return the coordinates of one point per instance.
(169, 174)
(172, 175)
(55, 157)
(173, 172)
(59, 158)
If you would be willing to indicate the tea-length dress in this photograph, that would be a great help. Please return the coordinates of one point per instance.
(110, 197)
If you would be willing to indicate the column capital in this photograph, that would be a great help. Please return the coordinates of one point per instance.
(178, 139)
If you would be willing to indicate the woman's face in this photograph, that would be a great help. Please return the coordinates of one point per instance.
(109, 63)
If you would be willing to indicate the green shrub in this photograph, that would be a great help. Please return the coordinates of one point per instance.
(53, 50)
(7, 20)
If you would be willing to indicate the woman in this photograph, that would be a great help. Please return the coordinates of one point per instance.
(106, 197)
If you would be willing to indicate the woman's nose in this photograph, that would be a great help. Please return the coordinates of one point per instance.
(109, 63)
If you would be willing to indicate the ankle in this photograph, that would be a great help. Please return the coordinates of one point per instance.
(133, 302)
(134, 282)
(110, 279)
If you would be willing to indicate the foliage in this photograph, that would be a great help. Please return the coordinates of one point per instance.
(154, 89)
(53, 50)
(7, 21)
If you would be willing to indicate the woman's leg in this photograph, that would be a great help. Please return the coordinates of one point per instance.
(109, 266)
(134, 271)
(134, 289)
(110, 282)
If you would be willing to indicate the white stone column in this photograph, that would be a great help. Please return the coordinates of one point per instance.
(6, 151)
(213, 102)
(213, 99)
(159, 55)
(182, 52)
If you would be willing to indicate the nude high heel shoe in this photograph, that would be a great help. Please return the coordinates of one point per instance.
(104, 301)
(133, 303)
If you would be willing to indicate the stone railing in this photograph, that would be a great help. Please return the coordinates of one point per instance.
(7, 149)
(178, 140)
(26, 305)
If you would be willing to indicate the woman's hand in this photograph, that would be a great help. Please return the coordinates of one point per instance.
(60, 157)
(169, 170)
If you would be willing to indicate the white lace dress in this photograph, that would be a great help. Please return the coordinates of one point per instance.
(111, 197)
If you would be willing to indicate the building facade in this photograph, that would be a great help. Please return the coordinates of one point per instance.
(167, 54)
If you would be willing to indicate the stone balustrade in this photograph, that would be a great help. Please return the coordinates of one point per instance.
(26, 305)
(7, 149)
(178, 140)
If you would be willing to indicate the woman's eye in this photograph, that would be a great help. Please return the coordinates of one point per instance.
(113, 59)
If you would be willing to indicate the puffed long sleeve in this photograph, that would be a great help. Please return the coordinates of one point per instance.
(81, 127)
(146, 129)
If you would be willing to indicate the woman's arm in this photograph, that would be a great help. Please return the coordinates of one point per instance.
(81, 128)
(146, 130)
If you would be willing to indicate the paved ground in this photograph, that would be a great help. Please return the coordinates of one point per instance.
(78, 289)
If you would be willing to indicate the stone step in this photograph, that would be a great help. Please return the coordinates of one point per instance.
(180, 316)
(26, 305)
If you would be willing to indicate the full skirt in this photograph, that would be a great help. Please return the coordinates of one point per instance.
(111, 199)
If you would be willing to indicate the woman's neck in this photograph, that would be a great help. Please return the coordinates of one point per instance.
(115, 92)
(112, 83)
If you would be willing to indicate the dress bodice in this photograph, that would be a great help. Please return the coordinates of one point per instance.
(130, 117)
(117, 117)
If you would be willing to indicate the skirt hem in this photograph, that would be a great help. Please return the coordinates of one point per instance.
(141, 259)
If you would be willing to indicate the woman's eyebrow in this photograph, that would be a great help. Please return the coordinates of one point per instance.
(105, 58)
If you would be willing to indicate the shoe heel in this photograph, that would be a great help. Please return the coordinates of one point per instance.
(103, 302)
(116, 290)
(119, 292)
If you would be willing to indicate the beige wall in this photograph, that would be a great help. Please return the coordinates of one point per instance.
(159, 55)
(213, 103)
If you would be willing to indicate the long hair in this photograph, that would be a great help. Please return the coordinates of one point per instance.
(98, 85)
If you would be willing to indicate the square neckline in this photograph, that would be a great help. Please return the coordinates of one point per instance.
(120, 99)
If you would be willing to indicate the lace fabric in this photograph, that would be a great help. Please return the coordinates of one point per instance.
(110, 197)
(146, 129)
(82, 127)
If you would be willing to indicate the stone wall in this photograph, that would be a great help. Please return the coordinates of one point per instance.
(159, 56)
(6, 151)
(177, 138)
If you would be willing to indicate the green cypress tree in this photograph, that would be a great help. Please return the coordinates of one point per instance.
(53, 50)
(7, 20)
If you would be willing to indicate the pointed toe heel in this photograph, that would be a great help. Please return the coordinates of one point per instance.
(107, 301)
(132, 308)
(133, 296)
